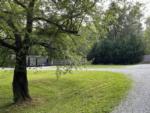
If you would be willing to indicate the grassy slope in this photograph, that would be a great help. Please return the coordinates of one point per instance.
(80, 92)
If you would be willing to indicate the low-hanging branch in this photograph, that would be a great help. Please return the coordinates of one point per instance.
(42, 43)
(20, 4)
(61, 27)
(7, 45)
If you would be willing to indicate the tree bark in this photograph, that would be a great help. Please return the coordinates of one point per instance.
(20, 82)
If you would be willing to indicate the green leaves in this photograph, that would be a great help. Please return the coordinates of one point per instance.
(147, 37)
(6, 59)
(122, 36)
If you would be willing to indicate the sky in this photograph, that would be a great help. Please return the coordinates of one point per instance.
(146, 6)
(146, 9)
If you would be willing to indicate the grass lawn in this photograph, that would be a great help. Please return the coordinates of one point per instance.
(79, 92)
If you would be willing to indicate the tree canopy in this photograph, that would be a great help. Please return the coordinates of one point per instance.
(122, 41)
(46, 23)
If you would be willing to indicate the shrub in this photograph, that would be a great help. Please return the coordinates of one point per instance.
(129, 50)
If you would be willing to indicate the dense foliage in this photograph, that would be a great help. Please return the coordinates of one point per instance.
(6, 59)
(122, 42)
(46, 24)
(109, 51)
(147, 36)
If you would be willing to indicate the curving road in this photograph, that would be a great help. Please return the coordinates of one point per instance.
(138, 99)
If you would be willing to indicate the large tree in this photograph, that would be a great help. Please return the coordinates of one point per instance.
(23, 21)
(121, 30)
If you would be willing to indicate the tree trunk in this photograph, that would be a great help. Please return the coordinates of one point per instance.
(20, 82)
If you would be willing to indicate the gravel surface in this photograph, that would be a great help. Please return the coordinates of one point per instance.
(138, 99)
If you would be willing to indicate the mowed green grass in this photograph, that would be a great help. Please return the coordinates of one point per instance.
(79, 92)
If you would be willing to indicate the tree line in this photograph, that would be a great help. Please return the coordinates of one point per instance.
(122, 41)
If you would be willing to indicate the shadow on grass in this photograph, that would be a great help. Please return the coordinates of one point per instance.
(6, 106)
(51, 91)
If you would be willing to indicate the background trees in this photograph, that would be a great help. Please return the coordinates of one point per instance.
(122, 42)
(147, 36)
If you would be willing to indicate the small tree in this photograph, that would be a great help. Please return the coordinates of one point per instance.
(22, 22)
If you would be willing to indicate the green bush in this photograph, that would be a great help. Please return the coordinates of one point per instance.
(117, 51)
(122, 36)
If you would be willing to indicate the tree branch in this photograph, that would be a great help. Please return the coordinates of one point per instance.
(21, 4)
(5, 44)
(29, 23)
(42, 43)
(61, 27)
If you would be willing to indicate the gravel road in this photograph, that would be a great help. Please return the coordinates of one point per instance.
(138, 99)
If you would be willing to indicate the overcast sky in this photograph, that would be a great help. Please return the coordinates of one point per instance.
(146, 7)
(146, 10)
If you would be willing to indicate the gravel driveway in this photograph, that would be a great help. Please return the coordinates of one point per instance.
(138, 99)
